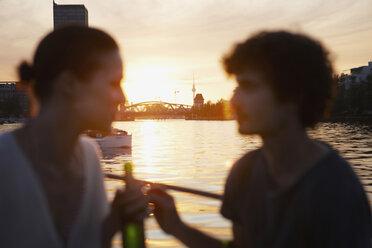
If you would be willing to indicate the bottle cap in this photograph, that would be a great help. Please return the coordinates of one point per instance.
(128, 166)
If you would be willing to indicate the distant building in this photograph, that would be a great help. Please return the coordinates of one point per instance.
(193, 87)
(69, 14)
(10, 91)
(357, 75)
(198, 100)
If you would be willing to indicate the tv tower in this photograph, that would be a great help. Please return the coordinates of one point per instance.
(193, 88)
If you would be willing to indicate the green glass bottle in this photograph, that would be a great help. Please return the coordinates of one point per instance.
(133, 231)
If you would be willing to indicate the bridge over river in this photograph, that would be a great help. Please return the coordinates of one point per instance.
(154, 110)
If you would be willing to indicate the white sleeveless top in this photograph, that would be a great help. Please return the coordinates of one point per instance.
(25, 220)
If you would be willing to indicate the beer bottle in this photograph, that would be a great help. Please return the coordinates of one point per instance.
(133, 230)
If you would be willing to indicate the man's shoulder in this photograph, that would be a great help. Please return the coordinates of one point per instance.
(335, 198)
(239, 175)
(241, 170)
(245, 162)
(334, 180)
(335, 171)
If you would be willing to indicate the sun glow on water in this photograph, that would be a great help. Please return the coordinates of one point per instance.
(150, 156)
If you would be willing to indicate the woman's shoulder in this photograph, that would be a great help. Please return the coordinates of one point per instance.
(11, 155)
(91, 157)
(4, 138)
(7, 144)
(89, 144)
(91, 151)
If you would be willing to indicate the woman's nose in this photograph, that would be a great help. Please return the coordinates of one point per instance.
(119, 96)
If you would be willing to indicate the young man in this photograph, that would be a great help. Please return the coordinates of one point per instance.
(293, 191)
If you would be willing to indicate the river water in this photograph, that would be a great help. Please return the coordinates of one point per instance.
(199, 154)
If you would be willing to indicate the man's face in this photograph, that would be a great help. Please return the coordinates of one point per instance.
(256, 107)
(101, 96)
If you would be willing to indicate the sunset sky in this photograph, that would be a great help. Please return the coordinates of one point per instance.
(165, 42)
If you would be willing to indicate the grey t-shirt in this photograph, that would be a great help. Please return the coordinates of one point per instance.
(326, 208)
(26, 220)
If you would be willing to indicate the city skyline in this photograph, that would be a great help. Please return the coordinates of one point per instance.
(165, 42)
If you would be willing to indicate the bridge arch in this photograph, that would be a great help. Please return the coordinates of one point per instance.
(155, 109)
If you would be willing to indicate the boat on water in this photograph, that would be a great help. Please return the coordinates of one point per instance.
(115, 139)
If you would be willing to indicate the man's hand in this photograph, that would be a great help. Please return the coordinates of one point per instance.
(165, 210)
(167, 216)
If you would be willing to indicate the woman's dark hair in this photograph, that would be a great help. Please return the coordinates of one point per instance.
(297, 68)
(71, 48)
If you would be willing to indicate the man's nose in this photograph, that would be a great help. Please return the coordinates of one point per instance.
(234, 97)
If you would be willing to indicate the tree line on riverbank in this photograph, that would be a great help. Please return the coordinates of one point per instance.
(355, 100)
(211, 111)
(12, 108)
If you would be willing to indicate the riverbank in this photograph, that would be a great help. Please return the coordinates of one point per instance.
(207, 118)
(11, 120)
(365, 119)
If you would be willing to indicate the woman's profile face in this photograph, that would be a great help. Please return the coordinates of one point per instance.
(99, 97)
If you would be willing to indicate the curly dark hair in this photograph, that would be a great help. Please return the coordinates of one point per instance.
(297, 68)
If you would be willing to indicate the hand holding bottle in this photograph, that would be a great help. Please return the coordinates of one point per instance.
(128, 205)
(133, 228)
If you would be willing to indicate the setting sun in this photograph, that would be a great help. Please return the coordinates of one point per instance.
(149, 83)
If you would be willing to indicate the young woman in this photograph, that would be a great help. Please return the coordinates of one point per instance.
(293, 191)
(51, 183)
